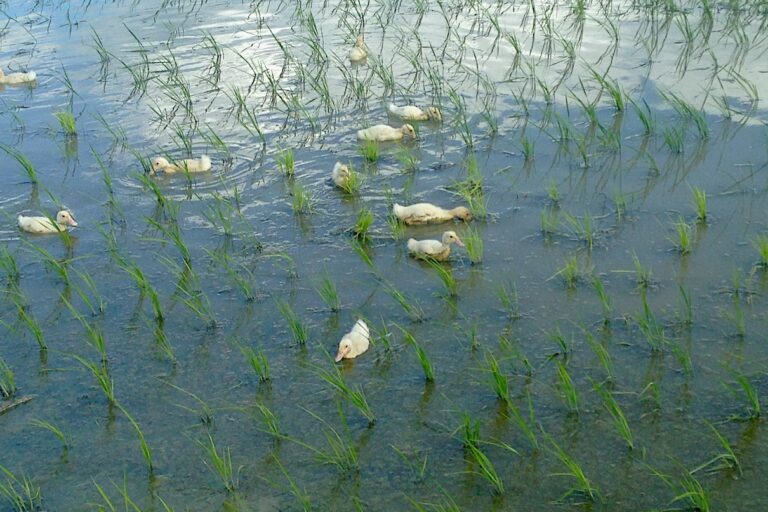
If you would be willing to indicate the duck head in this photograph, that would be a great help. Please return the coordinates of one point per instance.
(159, 163)
(434, 113)
(450, 237)
(345, 346)
(64, 218)
(408, 130)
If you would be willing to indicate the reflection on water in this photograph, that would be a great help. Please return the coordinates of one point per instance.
(581, 128)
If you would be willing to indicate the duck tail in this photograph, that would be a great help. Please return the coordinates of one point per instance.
(19, 220)
(205, 162)
(361, 328)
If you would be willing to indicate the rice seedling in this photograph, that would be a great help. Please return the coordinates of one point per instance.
(340, 451)
(162, 342)
(550, 221)
(29, 321)
(601, 352)
(686, 306)
(299, 331)
(7, 381)
(328, 293)
(128, 502)
(396, 226)
(563, 344)
(618, 418)
(286, 162)
(269, 422)
(23, 161)
(101, 373)
(413, 309)
(301, 496)
(726, 460)
(144, 286)
(215, 141)
(510, 300)
(642, 273)
(446, 277)
(67, 123)
(674, 138)
(301, 200)
(499, 382)
(620, 203)
(753, 408)
(760, 242)
(150, 184)
(650, 326)
(581, 229)
(415, 462)
(63, 437)
(684, 238)
(369, 149)
(9, 267)
(689, 489)
(474, 245)
(567, 388)
(570, 272)
(220, 463)
(553, 193)
(353, 183)
(363, 250)
(354, 395)
(605, 300)
(363, 224)
(103, 54)
(470, 432)
(257, 361)
(407, 159)
(487, 470)
(426, 365)
(20, 492)
(582, 486)
(528, 148)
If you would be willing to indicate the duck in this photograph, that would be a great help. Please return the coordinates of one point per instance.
(424, 213)
(414, 113)
(383, 132)
(434, 249)
(355, 342)
(341, 175)
(358, 52)
(17, 78)
(44, 225)
(201, 164)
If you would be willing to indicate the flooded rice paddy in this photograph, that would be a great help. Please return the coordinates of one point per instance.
(599, 345)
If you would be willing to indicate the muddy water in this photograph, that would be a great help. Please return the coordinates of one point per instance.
(632, 186)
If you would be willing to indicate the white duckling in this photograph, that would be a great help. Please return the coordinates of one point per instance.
(383, 132)
(358, 52)
(17, 78)
(201, 164)
(434, 249)
(414, 113)
(341, 175)
(355, 342)
(424, 213)
(42, 225)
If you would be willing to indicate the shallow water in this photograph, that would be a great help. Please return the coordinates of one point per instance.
(632, 186)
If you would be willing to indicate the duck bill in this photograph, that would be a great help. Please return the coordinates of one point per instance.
(72, 223)
(341, 354)
(460, 243)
